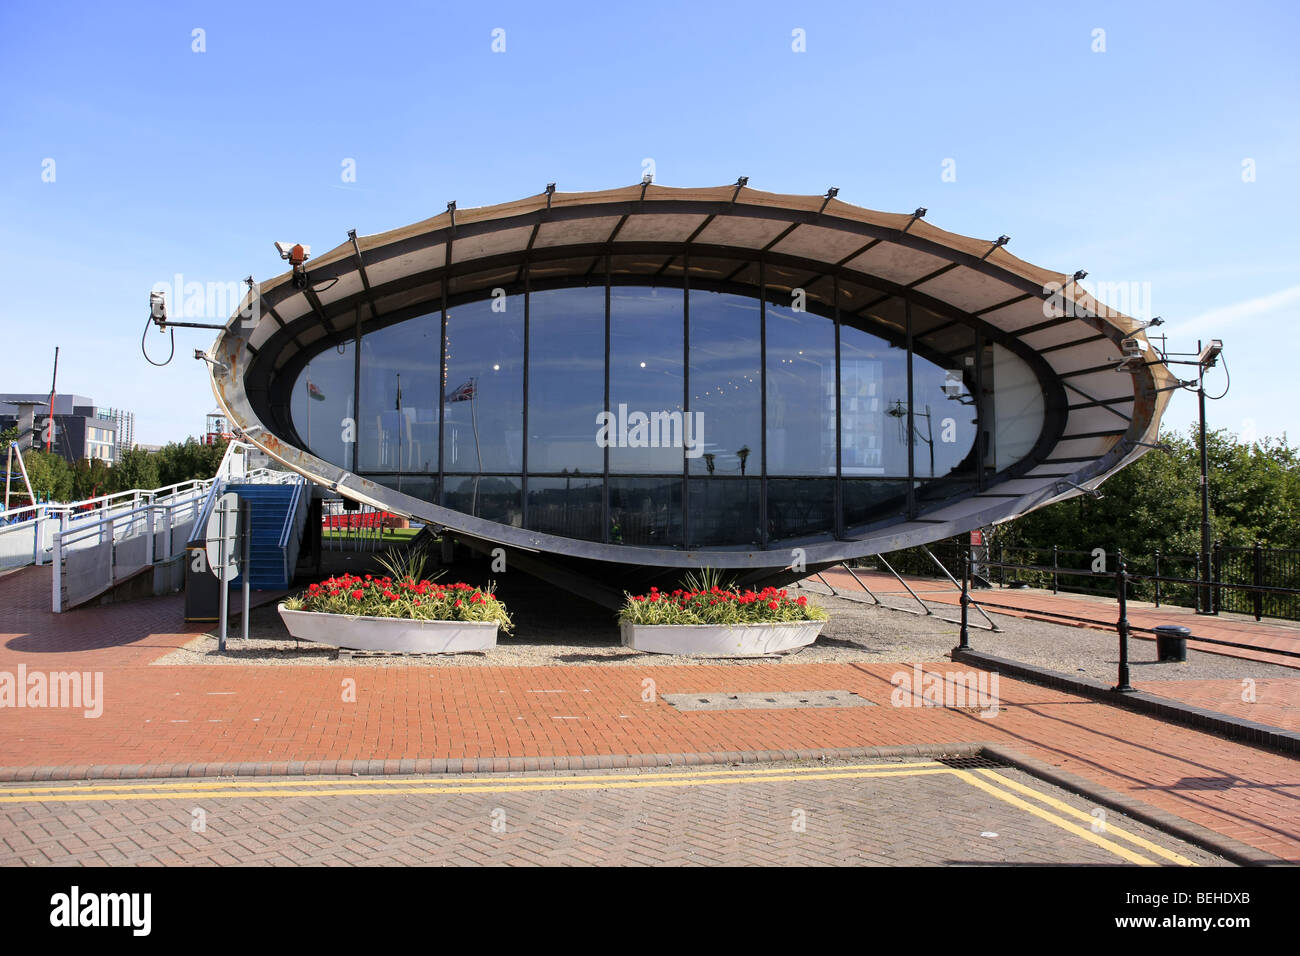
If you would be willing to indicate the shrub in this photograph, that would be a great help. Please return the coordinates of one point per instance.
(717, 605)
(410, 599)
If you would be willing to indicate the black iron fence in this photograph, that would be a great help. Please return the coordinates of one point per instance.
(1254, 580)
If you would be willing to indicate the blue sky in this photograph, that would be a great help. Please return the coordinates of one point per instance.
(1127, 162)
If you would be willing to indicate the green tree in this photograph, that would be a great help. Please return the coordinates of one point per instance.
(136, 468)
(50, 475)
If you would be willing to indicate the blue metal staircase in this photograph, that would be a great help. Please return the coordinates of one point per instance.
(274, 508)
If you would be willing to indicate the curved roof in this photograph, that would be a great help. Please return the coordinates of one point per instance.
(801, 241)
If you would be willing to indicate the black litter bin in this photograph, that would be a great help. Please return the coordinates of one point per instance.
(1171, 642)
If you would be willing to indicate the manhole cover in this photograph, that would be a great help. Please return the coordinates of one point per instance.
(767, 701)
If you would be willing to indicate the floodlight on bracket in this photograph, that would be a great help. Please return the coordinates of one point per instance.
(1157, 445)
(741, 183)
(918, 214)
(997, 244)
(203, 356)
(550, 191)
(830, 194)
(1060, 486)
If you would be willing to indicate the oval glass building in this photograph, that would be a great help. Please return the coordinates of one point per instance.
(618, 384)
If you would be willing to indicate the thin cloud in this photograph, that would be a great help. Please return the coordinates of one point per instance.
(1217, 319)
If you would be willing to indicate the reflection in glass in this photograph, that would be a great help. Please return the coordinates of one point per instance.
(645, 511)
(1014, 406)
(800, 393)
(485, 387)
(566, 380)
(322, 405)
(871, 371)
(645, 381)
(726, 382)
(397, 430)
(568, 506)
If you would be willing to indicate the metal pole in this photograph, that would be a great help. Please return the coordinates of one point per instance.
(1205, 498)
(1054, 564)
(222, 583)
(245, 555)
(1121, 589)
(964, 634)
(1157, 577)
(1259, 580)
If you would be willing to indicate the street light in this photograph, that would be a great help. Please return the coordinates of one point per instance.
(1206, 357)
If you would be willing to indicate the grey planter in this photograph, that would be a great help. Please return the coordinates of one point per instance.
(720, 640)
(390, 633)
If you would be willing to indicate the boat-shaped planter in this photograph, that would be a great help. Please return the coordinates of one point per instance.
(395, 634)
(720, 640)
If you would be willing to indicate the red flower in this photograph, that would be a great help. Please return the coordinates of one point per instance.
(772, 605)
(356, 595)
(802, 600)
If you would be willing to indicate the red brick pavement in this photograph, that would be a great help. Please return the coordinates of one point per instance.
(1100, 613)
(200, 714)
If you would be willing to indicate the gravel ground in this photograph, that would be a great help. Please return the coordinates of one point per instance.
(857, 632)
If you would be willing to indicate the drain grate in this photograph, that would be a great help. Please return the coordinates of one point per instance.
(767, 700)
(980, 762)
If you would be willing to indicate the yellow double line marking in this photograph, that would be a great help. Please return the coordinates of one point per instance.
(988, 781)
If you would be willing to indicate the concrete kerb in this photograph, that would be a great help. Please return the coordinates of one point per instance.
(1197, 718)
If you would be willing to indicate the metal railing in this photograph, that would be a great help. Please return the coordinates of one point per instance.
(1122, 581)
(1254, 580)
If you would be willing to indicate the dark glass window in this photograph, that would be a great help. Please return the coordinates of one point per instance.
(645, 511)
(569, 506)
(484, 406)
(800, 393)
(869, 500)
(944, 412)
(566, 380)
(649, 430)
(397, 430)
(726, 384)
(724, 511)
(494, 497)
(323, 405)
(798, 507)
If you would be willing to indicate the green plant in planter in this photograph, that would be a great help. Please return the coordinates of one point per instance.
(719, 606)
(409, 598)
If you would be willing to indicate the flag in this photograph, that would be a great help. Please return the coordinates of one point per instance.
(314, 392)
(463, 394)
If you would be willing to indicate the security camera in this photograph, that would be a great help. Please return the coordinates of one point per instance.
(647, 179)
(1209, 356)
(1133, 351)
(158, 308)
(295, 252)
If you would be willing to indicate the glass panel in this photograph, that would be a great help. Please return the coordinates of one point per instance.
(569, 507)
(724, 511)
(800, 393)
(868, 500)
(648, 429)
(726, 382)
(1013, 410)
(944, 414)
(873, 391)
(399, 431)
(566, 380)
(800, 507)
(485, 387)
(645, 511)
(492, 497)
(424, 487)
(322, 404)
